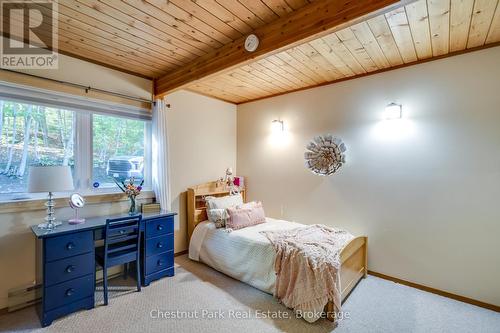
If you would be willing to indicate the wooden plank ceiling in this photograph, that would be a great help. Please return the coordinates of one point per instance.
(153, 38)
(419, 31)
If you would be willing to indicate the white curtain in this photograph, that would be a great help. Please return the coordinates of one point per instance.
(159, 152)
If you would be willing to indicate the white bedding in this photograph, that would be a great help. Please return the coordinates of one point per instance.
(244, 254)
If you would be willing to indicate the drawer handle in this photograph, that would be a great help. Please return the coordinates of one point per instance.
(159, 245)
(70, 246)
(159, 227)
(70, 269)
(70, 292)
(160, 263)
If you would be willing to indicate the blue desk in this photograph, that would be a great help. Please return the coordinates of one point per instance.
(66, 261)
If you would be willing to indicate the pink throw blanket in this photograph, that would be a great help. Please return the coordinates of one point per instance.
(307, 267)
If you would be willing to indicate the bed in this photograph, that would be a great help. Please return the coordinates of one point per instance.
(254, 263)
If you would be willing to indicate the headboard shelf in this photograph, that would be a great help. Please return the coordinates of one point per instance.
(223, 192)
(197, 210)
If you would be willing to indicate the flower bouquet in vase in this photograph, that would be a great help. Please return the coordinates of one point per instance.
(132, 191)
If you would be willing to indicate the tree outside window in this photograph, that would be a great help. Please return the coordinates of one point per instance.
(32, 135)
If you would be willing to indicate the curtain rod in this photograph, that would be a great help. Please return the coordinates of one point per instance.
(86, 88)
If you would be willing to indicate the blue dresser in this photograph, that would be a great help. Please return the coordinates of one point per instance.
(66, 261)
(158, 249)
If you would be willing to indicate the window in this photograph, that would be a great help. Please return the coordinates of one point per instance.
(97, 147)
(118, 150)
(32, 135)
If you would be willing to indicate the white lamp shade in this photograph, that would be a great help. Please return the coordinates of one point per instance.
(50, 179)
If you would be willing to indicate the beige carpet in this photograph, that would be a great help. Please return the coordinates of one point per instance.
(375, 306)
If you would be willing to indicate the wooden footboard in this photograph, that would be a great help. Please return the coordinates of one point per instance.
(353, 267)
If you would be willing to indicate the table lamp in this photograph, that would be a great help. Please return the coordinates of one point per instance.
(50, 179)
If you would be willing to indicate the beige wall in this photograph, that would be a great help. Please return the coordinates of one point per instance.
(202, 134)
(425, 190)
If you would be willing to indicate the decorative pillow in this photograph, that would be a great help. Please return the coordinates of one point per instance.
(216, 208)
(218, 216)
(245, 217)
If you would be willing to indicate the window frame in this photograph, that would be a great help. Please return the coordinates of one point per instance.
(83, 156)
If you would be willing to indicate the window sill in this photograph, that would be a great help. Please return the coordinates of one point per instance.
(19, 206)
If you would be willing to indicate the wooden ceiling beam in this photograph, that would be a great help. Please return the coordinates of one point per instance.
(311, 21)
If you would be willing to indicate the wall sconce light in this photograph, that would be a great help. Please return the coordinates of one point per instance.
(277, 126)
(393, 111)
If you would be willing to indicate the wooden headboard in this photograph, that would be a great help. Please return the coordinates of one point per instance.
(196, 207)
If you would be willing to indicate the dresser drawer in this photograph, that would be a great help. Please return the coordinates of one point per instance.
(159, 262)
(159, 244)
(69, 268)
(69, 245)
(159, 226)
(68, 292)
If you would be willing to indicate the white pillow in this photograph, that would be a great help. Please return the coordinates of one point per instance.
(218, 216)
(224, 202)
(217, 208)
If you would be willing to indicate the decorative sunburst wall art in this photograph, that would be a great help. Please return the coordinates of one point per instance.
(325, 154)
